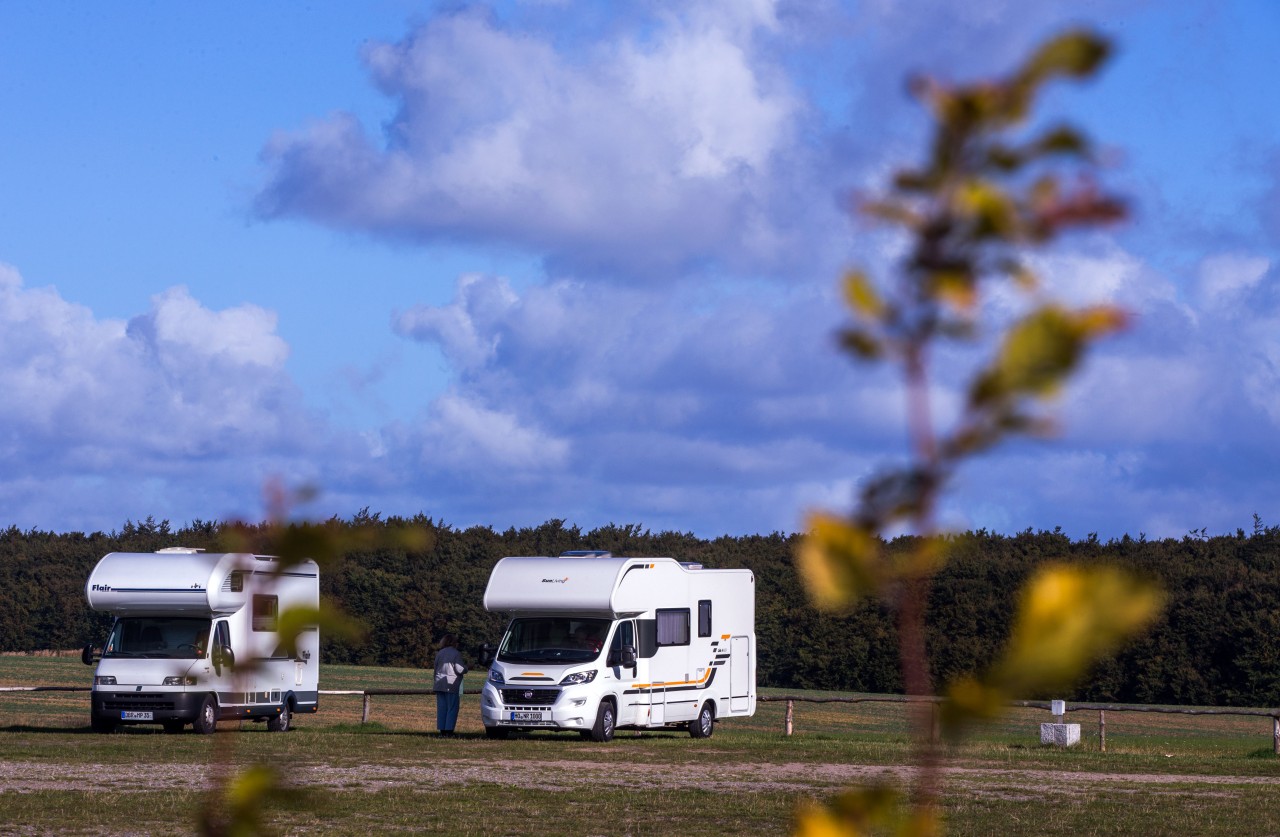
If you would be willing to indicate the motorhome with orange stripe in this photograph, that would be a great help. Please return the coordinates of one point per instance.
(599, 642)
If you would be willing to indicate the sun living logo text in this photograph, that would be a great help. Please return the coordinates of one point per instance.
(555, 580)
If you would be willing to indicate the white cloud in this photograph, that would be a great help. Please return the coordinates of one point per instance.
(468, 437)
(639, 156)
(182, 396)
(1224, 278)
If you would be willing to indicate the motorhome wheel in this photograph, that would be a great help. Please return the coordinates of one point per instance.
(603, 730)
(705, 724)
(206, 721)
(281, 722)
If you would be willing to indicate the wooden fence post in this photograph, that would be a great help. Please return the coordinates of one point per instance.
(1102, 729)
(1275, 734)
(790, 716)
(364, 717)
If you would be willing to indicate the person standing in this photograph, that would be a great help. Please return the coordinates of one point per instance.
(448, 684)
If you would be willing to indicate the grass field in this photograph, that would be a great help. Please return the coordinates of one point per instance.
(1161, 774)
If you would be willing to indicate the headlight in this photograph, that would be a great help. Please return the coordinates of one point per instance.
(578, 677)
(495, 676)
(104, 680)
(178, 680)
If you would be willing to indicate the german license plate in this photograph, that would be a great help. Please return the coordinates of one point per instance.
(527, 716)
(126, 715)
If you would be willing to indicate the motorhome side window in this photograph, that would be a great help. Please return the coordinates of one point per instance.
(265, 610)
(704, 617)
(673, 626)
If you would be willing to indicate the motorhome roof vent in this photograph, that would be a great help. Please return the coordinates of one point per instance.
(178, 550)
(691, 565)
(587, 553)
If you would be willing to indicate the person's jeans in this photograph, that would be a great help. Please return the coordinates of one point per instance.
(447, 710)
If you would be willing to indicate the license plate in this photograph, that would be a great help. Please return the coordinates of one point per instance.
(526, 716)
(126, 715)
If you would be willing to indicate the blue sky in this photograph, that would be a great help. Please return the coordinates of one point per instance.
(505, 263)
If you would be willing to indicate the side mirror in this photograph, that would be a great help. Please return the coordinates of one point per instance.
(628, 656)
(222, 656)
(86, 655)
(486, 654)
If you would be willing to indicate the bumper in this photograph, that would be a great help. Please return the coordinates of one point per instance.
(571, 708)
(123, 707)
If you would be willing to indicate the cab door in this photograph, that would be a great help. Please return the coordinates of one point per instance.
(629, 709)
(219, 670)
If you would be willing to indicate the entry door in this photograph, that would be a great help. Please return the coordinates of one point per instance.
(740, 674)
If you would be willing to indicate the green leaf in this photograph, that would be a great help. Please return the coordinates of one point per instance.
(862, 344)
(1075, 54)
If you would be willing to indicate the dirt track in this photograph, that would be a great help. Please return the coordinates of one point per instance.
(27, 776)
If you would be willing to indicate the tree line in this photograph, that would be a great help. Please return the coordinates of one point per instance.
(1217, 642)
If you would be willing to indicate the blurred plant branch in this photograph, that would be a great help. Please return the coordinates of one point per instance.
(991, 189)
(239, 800)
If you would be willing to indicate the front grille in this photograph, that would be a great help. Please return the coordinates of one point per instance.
(529, 697)
(135, 701)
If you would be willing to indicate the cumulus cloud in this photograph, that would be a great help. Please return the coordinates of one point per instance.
(181, 396)
(634, 156)
(705, 146)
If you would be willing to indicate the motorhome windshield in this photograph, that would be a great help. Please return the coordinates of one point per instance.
(175, 637)
(554, 639)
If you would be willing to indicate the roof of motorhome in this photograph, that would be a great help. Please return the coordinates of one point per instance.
(174, 580)
(584, 583)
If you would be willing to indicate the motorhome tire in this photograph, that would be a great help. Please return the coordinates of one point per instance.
(206, 720)
(605, 719)
(172, 727)
(705, 724)
(283, 721)
(497, 733)
(102, 725)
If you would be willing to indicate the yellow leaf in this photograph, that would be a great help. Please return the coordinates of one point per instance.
(1070, 617)
(838, 561)
(862, 296)
(926, 557)
(816, 821)
(1098, 320)
(251, 786)
(993, 210)
(956, 288)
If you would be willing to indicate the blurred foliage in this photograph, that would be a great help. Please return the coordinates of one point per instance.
(995, 185)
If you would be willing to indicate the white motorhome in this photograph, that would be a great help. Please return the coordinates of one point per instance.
(195, 640)
(598, 642)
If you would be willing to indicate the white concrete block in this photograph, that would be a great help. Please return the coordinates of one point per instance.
(1060, 735)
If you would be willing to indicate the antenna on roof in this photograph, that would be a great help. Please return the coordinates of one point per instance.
(587, 553)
